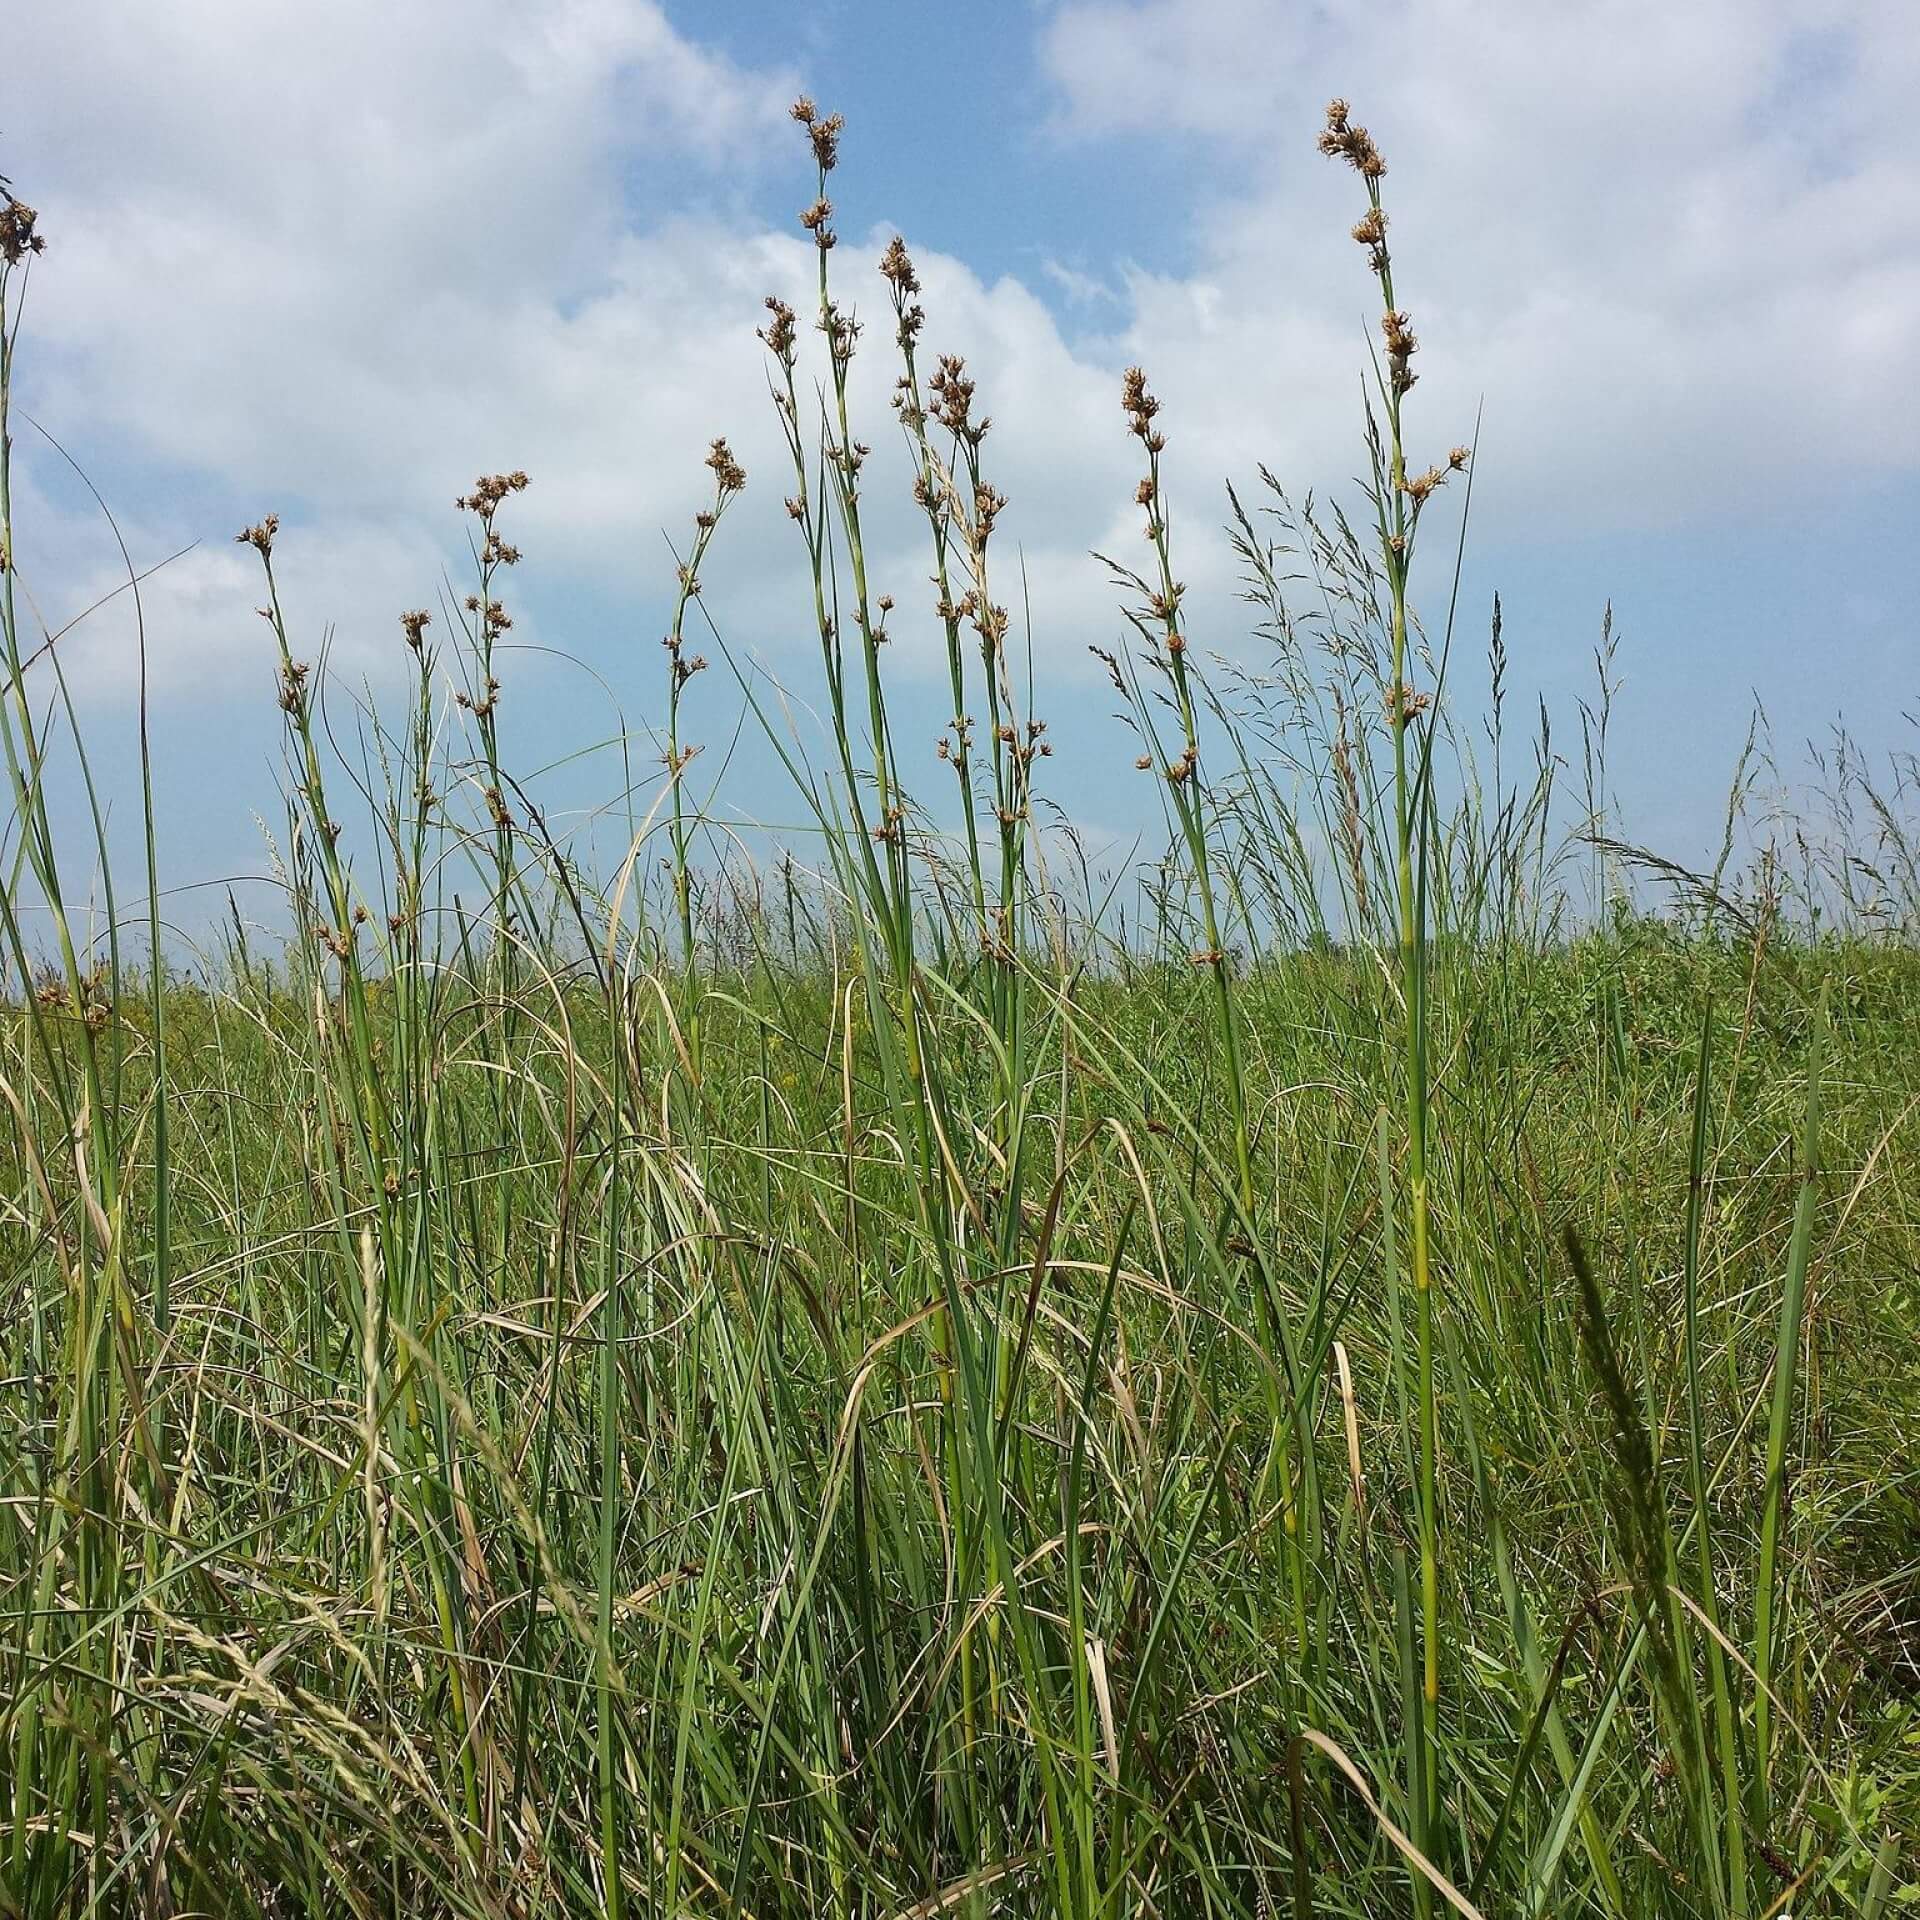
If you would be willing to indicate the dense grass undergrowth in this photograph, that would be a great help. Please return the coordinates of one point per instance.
(874, 1387)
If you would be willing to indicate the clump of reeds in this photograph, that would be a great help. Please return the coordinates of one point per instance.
(891, 1391)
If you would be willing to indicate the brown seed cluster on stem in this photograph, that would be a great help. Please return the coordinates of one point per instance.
(779, 331)
(259, 536)
(896, 268)
(952, 394)
(824, 133)
(489, 491)
(1370, 230)
(728, 473)
(1342, 140)
(497, 619)
(19, 234)
(815, 218)
(1140, 407)
(1397, 330)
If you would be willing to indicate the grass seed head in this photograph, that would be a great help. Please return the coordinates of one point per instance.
(729, 475)
(260, 536)
(779, 331)
(1340, 139)
(19, 232)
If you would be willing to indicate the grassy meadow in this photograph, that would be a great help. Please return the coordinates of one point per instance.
(1365, 1368)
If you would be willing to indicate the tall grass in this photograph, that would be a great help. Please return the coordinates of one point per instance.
(880, 1387)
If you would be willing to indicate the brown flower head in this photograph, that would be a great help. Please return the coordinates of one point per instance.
(843, 334)
(1421, 486)
(1140, 407)
(825, 135)
(1371, 232)
(778, 333)
(18, 236)
(1401, 347)
(814, 219)
(988, 505)
(489, 491)
(896, 266)
(952, 394)
(728, 473)
(260, 536)
(1340, 139)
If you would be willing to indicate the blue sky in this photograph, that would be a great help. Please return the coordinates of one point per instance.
(337, 266)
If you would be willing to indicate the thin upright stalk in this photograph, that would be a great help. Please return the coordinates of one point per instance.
(1398, 499)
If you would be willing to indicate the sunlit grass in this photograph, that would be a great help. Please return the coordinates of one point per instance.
(871, 1388)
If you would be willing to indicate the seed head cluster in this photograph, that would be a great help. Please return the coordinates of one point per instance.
(952, 394)
(823, 133)
(260, 536)
(1140, 407)
(729, 475)
(779, 331)
(843, 335)
(293, 685)
(19, 235)
(815, 218)
(1370, 230)
(489, 491)
(896, 268)
(681, 666)
(1401, 346)
(1342, 140)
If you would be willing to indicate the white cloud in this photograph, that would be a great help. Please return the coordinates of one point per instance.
(338, 267)
(339, 261)
(1676, 247)
(349, 251)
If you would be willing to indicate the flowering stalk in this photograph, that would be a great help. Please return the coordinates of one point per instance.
(20, 242)
(962, 511)
(729, 477)
(490, 620)
(1182, 773)
(844, 458)
(358, 1078)
(338, 930)
(411, 859)
(1398, 500)
(931, 493)
(76, 1489)
(968, 1357)
(1160, 623)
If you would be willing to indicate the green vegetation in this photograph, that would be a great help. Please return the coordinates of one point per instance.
(1327, 1384)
